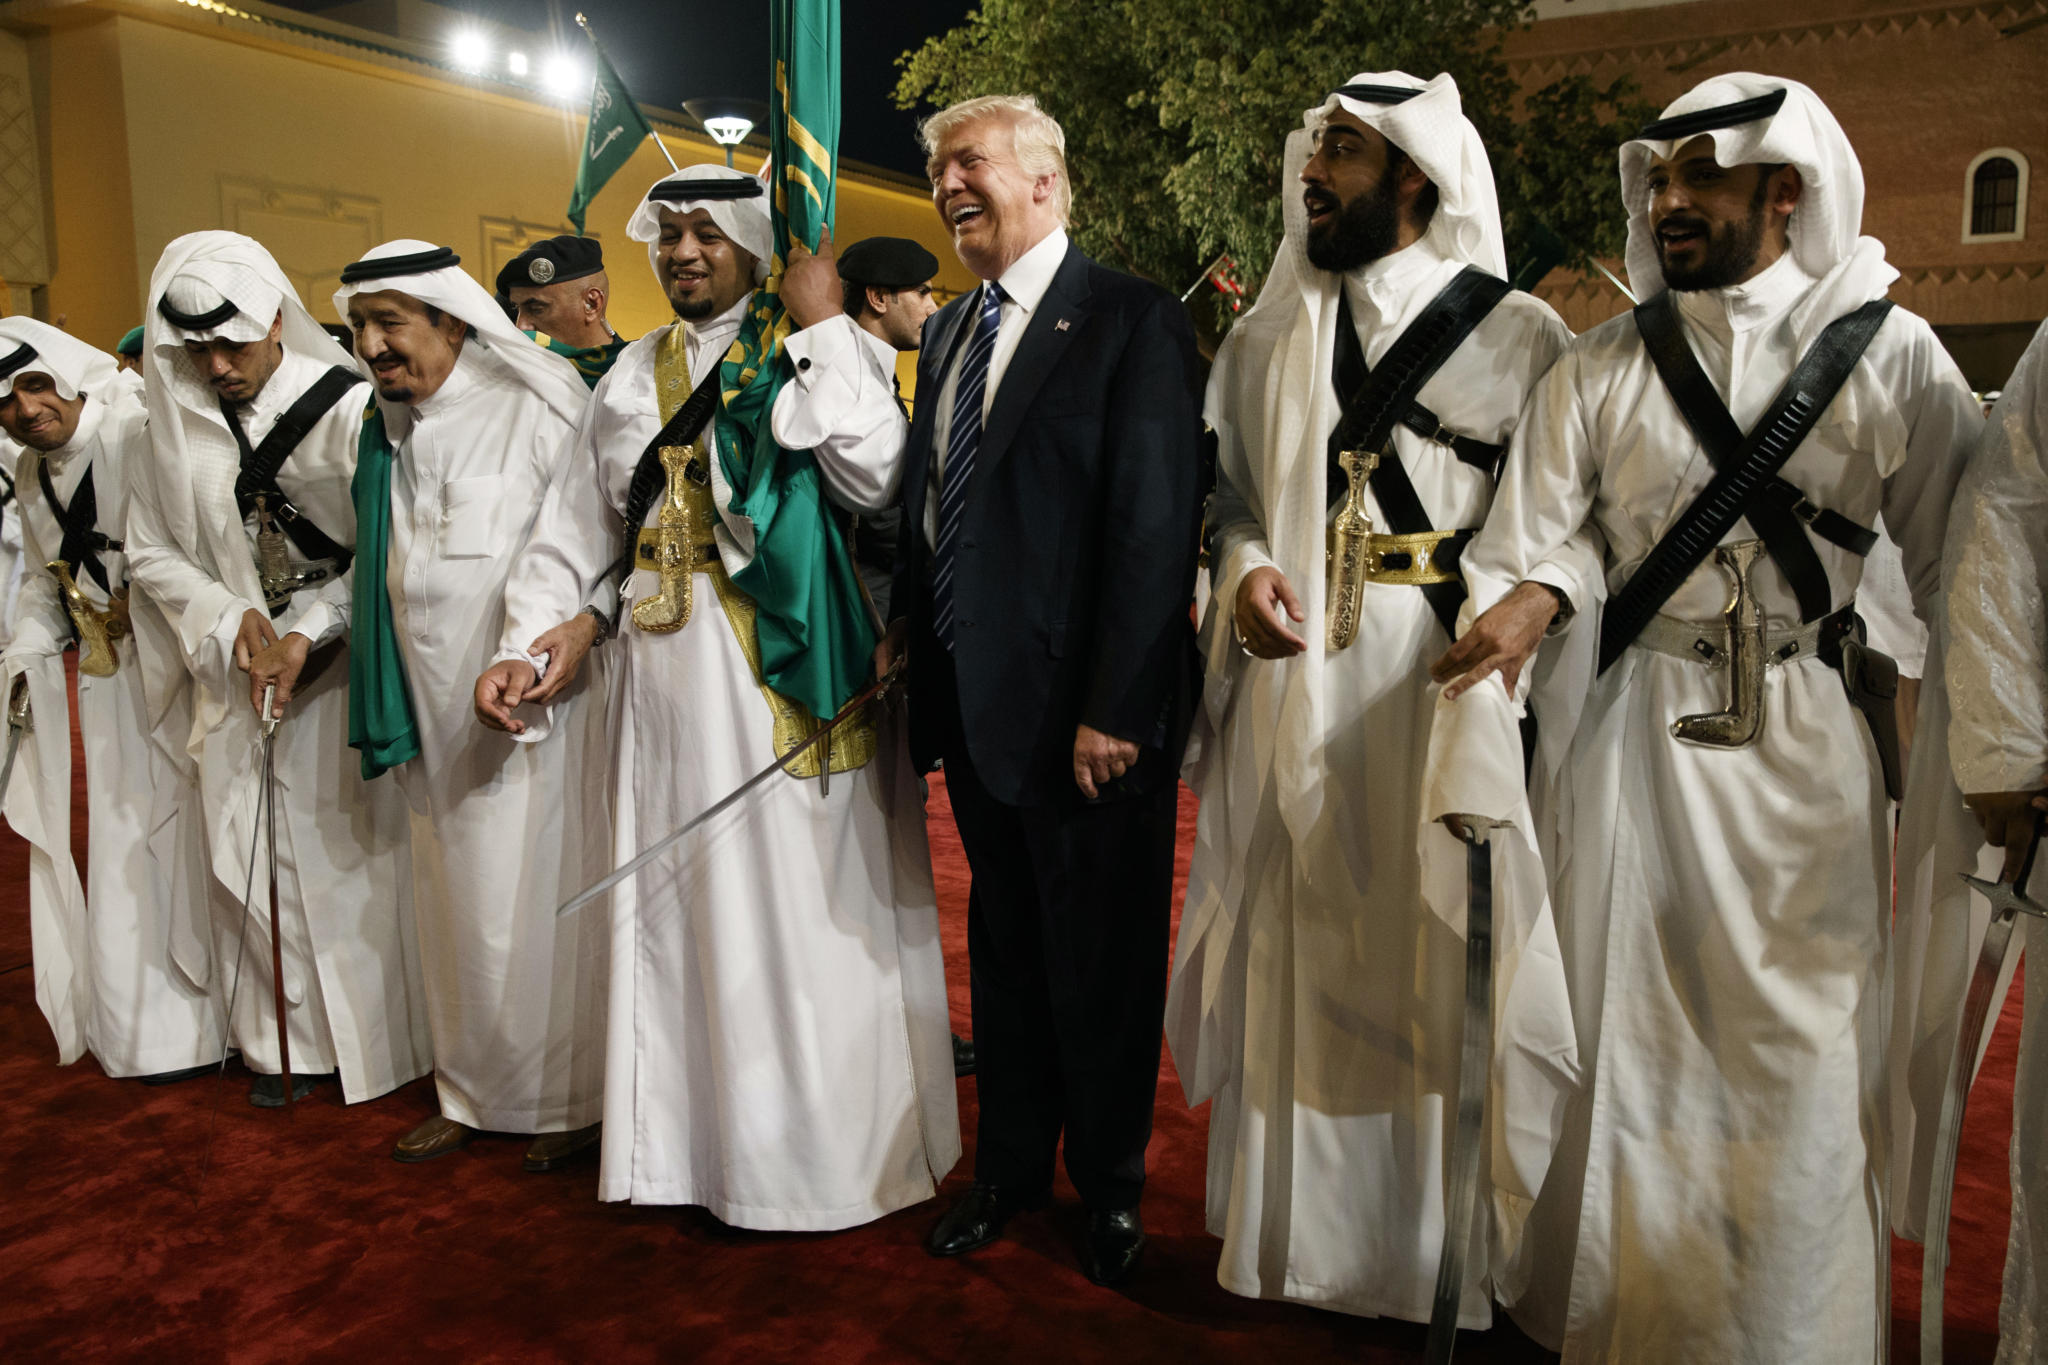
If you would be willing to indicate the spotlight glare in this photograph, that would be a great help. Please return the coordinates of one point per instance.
(564, 76)
(469, 49)
(515, 62)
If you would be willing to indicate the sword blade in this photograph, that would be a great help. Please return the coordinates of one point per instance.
(726, 802)
(284, 1040)
(1955, 1100)
(1475, 1068)
(14, 734)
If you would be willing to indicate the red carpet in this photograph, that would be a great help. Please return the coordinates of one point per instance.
(306, 1242)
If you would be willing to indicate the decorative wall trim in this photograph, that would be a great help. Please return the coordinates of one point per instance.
(312, 231)
(1684, 53)
(24, 243)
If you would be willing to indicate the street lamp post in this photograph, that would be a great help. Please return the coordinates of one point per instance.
(728, 133)
(727, 121)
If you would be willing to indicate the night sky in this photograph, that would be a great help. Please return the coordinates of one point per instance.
(669, 51)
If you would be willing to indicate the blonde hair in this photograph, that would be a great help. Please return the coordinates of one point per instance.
(1036, 138)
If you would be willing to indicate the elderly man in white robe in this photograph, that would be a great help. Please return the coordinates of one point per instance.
(241, 516)
(470, 422)
(1317, 993)
(1721, 864)
(1998, 745)
(779, 1050)
(117, 969)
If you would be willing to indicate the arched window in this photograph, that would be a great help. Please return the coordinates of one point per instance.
(1995, 197)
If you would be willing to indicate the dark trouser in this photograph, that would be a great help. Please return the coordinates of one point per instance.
(1067, 928)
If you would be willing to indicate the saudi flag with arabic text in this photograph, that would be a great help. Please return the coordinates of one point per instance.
(815, 632)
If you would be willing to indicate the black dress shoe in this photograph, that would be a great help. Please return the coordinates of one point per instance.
(963, 1056)
(977, 1219)
(182, 1074)
(1115, 1241)
(267, 1092)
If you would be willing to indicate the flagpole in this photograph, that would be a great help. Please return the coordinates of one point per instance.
(652, 132)
(1204, 278)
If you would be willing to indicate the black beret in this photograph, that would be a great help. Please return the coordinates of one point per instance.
(887, 263)
(551, 261)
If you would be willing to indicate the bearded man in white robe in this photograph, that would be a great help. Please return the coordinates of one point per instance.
(120, 969)
(1998, 744)
(470, 422)
(779, 1051)
(233, 360)
(1720, 861)
(1317, 992)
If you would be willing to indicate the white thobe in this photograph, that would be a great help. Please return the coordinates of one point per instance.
(1316, 996)
(778, 1042)
(10, 564)
(352, 983)
(107, 975)
(1998, 742)
(502, 833)
(1719, 1191)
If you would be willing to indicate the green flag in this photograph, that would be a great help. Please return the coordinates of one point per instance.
(816, 638)
(616, 130)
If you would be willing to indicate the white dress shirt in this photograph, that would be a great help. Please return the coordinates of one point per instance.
(1024, 285)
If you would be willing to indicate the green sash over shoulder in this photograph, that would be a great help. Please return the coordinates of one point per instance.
(380, 721)
(816, 636)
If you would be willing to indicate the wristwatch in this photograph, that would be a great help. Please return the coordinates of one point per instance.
(1565, 611)
(604, 625)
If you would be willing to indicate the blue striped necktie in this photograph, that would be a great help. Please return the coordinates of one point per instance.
(962, 441)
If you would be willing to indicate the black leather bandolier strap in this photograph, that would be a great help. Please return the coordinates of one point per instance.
(1780, 506)
(83, 544)
(1378, 399)
(258, 476)
(1745, 480)
(650, 478)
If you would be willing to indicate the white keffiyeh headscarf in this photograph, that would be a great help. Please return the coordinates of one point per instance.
(741, 212)
(497, 341)
(1755, 119)
(197, 457)
(73, 366)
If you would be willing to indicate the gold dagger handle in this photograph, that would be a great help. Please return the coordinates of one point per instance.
(97, 630)
(675, 547)
(1739, 725)
(1350, 534)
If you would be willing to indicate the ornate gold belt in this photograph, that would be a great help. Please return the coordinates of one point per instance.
(1399, 559)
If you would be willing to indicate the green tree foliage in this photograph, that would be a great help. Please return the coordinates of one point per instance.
(1176, 113)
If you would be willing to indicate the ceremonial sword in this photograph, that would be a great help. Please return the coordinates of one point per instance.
(269, 804)
(20, 721)
(2007, 905)
(1475, 1069)
(875, 689)
(266, 810)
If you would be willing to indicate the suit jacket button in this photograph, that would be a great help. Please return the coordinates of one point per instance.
(804, 364)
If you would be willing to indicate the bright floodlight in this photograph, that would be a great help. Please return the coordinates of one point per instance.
(469, 49)
(515, 62)
(728, 132)
(564, 76)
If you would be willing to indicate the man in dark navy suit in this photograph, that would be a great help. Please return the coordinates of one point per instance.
(1051, 501)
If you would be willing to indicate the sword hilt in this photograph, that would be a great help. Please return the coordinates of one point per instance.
(269, 716)
(2010, 898)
